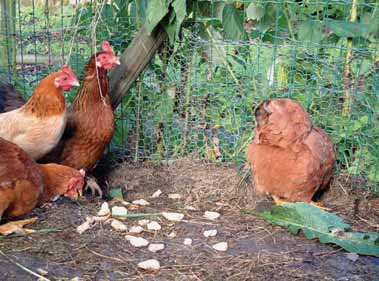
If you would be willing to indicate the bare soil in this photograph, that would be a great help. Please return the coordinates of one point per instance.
(257, 250)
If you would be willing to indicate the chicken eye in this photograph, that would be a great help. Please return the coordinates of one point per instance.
(65, 78)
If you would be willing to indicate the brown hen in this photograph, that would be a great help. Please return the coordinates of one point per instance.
(38, 125)
(90, 123)
(290, 158)
(25, 184)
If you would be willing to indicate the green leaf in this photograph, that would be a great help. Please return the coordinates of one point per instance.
(365, 161)
(176, 18)
(232, 21)
(180, 9)
(163, 108)
(315, 6)
(217, 9)
(255, 11)
(156, 11)
(238, 60)
(372, 19)
(360, 123)
(171, 27)
(348, 29)
(85, 16)
(310, 31)
(116, 193)
(373, 174)
(138, 11)
(269, 19)
(322, 225)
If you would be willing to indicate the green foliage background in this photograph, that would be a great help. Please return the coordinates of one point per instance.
(222, 60)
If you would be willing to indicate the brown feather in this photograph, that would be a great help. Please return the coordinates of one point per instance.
(46, 100)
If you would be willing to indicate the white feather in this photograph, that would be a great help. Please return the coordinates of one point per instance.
(37, 136)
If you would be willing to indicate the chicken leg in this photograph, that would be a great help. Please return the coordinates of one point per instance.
(280, 201)
(17, 227)
(92, 184)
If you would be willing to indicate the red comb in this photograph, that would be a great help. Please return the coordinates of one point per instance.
(106, 47)
(66, 69)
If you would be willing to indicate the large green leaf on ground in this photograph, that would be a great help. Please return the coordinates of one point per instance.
(232, 21)
(322, 225)
(156, 11)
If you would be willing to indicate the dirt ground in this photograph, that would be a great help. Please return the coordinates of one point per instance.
(257, 250)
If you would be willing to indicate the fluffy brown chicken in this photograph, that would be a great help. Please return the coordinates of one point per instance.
(291, 159)
(24, 184)
(90, 124)
(38, 125)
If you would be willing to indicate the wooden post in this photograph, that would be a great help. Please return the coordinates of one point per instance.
(133, 61)
(7, 35)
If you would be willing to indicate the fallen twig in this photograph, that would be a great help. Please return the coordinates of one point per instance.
(368, 222)
(328, 253)
(46, 230)
(104, 256)
(23, 267)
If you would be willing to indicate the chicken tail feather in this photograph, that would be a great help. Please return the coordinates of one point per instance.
(10, 98)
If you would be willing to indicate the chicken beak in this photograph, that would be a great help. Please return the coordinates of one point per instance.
(75, 82)
(117, 61)
(75, 196)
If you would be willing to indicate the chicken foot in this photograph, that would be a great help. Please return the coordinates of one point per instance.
(92, 184)
(319, 205)
(17, 227)
(280, 201)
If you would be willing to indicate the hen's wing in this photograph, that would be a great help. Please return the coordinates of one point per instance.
(10, 98)
(324, 156)
(14, 162)
(55, 155)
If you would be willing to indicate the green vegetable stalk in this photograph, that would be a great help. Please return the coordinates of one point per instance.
(348, 99)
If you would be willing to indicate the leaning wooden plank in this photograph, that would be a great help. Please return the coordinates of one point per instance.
(133, 61)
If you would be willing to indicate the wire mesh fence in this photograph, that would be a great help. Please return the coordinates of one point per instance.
(198, 95)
